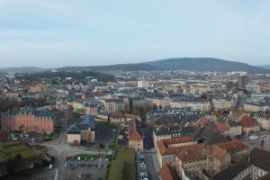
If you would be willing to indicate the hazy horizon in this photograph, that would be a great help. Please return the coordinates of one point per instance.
(78, 65)
(86, 33)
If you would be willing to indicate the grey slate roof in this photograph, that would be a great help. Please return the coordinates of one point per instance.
(232, 171)
(260, 158)
(208, 136)
(87, 121)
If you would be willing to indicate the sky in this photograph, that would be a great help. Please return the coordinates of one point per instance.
(56, 33)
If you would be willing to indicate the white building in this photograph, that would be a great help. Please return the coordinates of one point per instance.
(143, 84)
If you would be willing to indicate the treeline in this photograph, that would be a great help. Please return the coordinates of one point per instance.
(6, 104)
(75, 75)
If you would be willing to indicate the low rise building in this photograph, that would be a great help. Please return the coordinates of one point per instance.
(263, 118)
(235, 128)
(168, 148)
(135, 140)
(83, 131)
(237, 149)
(249, 125)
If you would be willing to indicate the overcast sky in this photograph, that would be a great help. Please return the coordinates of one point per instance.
(53, 33)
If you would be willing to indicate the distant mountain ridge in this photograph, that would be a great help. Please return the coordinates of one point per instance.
(205, 64)
(192, 64)
(266, 67)
(22, 69)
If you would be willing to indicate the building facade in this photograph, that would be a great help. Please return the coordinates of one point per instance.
(28, 120)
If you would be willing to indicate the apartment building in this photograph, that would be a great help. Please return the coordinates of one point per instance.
(28, 120)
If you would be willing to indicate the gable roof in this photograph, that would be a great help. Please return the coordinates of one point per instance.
(167, 173)
(133, 134)
(260, 158)
(208, 136)
(76, 128)
(233, 146)
(163, 145)
(248, 121)
(192, 153)
(231, 172)
(89, 120)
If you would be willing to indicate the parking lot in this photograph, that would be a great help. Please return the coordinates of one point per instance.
(147, 165)
(142, 172)
(85, 168)
(84, 171)
(30, 137)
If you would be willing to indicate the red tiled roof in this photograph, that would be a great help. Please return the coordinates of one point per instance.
(199, 152)
(178, 140)
(202, 121)
(248, 121)
(233, 146)
(221, 127)
(133, 134)
(165, 150)
(192, 153)
(166, 172)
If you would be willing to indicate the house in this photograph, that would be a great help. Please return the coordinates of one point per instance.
(236, 148)
(83, 131)
(135, 140)
(263, 118)
(249, 125)
(235, 128)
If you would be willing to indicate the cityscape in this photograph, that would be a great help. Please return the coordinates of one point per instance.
(123, 90)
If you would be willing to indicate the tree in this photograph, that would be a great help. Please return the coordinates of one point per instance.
(155, 107)
(70, 115)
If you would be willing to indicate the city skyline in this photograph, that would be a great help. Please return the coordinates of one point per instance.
(86, 33)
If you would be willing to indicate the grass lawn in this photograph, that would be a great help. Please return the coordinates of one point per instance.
(88, 156)
(123, 167)
(10, 150)
(112, 146)
(56, 135)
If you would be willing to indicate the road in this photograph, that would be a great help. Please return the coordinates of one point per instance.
(60, 149)
(151, 163)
